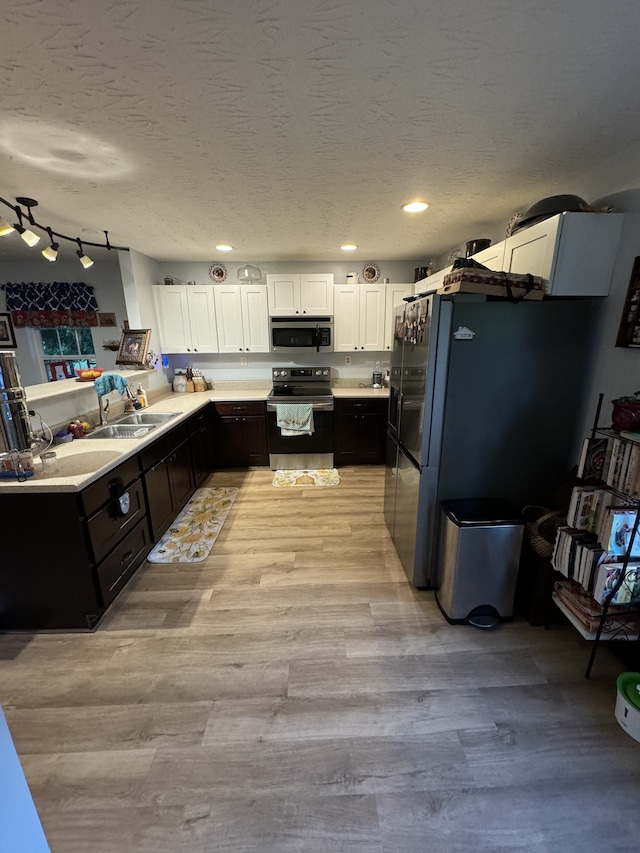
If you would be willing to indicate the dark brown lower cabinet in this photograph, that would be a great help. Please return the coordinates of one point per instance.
(66, 555)
(201, 432)
(168, 478)
(240, 434)
(359, 430)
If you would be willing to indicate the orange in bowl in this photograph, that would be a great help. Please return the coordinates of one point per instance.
(89, 373)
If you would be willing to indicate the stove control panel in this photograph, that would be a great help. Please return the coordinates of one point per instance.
(307, 374)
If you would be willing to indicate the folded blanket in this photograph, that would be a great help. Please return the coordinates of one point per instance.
(110, 382)
(295, 418)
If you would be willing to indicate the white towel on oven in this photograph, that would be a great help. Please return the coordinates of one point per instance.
(295, 418)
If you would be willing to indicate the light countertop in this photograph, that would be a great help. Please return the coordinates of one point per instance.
(82, 461)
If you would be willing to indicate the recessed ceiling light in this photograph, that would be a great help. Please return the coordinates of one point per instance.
(223, 247)
(415, 207)
(348, 247)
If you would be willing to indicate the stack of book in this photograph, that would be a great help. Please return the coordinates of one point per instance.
(615, 461)
(622, 622)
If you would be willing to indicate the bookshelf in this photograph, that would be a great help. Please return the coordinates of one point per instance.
(595, 551)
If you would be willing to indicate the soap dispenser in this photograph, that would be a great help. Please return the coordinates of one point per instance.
(377, 376)
(142, 397)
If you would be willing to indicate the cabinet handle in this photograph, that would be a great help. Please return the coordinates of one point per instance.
(188, 350)
(195, 350)
(126, 557)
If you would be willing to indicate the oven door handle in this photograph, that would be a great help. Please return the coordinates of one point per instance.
(326, 406)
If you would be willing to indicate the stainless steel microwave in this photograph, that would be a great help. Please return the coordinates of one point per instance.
(302, 334)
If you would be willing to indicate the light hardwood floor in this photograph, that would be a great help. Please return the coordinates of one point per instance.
(292, 694)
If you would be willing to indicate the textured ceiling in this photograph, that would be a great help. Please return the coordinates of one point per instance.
(287, 127)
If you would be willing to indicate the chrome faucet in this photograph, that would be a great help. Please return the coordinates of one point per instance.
(103, 408)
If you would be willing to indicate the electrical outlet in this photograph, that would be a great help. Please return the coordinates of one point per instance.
(243, 361)
(347, 359)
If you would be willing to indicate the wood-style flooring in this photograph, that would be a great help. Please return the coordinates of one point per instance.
(292, 694)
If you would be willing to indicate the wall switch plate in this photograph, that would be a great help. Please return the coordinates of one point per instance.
(243, 361)
(347, 359)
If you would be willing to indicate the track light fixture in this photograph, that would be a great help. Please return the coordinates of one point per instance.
(30, 238)
(85, 260)
(51, 252)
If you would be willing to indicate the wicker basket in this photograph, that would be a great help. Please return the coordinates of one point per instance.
(541, 527)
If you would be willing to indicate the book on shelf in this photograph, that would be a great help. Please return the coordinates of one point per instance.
(630, 434)
(609, 574)
(615, 531)
(594, 451)
(587, 612)
(567, 557)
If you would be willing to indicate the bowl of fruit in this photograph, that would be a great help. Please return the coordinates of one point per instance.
(88, 374)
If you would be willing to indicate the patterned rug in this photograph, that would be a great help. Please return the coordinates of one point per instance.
(312, 477)
(192, 534)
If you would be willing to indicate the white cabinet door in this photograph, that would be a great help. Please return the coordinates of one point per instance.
(575, 252)
(283, 294)
(229, 317)
(172, 311)
(432, 282)
(493, 257)
(202, 319)
(243, 321)
(359, 317)
(305, 293)
(346, 319)
(255, 317)
(316, 293)
(372, 317)
(395, 294)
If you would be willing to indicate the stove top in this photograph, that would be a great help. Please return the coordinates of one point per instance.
(300, 382)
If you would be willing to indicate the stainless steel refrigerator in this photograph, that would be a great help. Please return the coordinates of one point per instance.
(485, 401)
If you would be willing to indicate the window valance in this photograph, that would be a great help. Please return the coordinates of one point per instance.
(57, 303)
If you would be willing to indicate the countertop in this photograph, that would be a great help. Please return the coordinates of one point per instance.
(82, 461)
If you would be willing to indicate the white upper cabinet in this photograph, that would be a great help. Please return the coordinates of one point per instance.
(187, 318)
(359, 319)
(300, 293)
(575, 252)
(242, 317)
(492, 258)
(394, 296)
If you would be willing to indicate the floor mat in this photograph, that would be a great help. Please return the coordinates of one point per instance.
(312, 477)
(192, 534)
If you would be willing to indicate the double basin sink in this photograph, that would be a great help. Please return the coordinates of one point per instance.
(136, 425)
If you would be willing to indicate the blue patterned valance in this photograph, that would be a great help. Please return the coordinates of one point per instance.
(57, 303)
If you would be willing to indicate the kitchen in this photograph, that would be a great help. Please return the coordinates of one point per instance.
(295, 692)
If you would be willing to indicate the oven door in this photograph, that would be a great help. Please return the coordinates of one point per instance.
(300, 452)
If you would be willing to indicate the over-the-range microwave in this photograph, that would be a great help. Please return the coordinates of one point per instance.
(304, 334)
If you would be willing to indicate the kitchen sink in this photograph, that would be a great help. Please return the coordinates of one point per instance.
(122, 430)
(148, 418)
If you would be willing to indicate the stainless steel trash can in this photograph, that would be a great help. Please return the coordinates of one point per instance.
(479, 554)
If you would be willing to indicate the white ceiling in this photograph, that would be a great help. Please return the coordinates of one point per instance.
(287, 127)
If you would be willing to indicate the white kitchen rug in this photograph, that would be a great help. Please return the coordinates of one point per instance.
(192, 534)
(312, 477)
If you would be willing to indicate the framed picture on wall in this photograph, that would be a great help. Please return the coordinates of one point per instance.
(134, 346)
(106, 318)
(58, 370)
(7, 335)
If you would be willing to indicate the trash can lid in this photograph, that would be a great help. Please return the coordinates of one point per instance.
(481, 511)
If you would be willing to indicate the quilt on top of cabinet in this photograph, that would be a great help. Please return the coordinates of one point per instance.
(508, 285)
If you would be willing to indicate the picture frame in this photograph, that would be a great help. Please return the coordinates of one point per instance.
(7, 335)
(106, 318)
(58, 370)
(134, 347)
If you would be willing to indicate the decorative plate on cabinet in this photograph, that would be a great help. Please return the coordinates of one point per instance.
(217, 272)
(370, 273)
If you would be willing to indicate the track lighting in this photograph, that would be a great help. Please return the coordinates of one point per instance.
(51, 252)
(30, 238)
(5, 227)
(85, 260)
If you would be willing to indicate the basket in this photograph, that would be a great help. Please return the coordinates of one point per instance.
(541, 525)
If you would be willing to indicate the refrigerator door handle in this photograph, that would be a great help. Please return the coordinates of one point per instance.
(399, 419)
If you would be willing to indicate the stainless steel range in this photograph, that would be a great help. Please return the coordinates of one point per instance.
(301, 385)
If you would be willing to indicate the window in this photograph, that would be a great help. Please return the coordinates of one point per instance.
(68, 344)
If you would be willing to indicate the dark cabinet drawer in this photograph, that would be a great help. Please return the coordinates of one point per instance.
(161, 448)
(361, 406)
(255, 407)
(107, 527)
(98, 493)
(122, 562)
